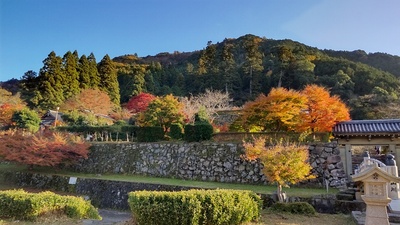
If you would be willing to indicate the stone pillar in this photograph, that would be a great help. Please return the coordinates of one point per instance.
(391, 168)
(396, 153)
(349, 164)
(376, 213)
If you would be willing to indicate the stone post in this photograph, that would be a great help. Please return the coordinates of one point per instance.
(376, 213)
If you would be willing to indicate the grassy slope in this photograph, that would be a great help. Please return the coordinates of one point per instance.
(263, 189)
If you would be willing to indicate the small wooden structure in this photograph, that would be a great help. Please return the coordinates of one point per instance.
(49, 118)
(366, 132)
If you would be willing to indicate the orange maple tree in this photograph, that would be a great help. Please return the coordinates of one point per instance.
(6, 112)
(323, 110)
(278, 111)
(49, 149)
(90, 100)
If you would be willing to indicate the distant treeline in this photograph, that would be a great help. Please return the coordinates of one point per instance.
(244, 67)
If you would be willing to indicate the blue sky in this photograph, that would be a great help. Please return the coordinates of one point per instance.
(31, 29)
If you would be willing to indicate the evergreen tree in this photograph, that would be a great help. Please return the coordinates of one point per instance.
(253, 64)
(108, 79)
(94, 76)
(50, 86)
(149, 81)
(29, 85)
(26, 119)
(84, 72)
(71, 81)
(227, 66)
(139, 82)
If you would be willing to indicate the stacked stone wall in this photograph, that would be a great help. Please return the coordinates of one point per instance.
(206, 161)
(327, 164)
(114, 194)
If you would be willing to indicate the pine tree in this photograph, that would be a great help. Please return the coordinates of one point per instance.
(253, 63)
(228, 66)
(28, 85)
(71, 81)
(84, 72)
(108, 79)
(50, 86)
(94, 76)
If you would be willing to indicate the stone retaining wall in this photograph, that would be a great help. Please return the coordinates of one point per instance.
(206, 161)
(114, 194)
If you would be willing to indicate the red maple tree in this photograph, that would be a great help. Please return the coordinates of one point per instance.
(140, 102)
(49, 149)
(6, 112)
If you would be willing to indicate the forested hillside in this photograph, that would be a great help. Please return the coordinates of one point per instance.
(244, 67)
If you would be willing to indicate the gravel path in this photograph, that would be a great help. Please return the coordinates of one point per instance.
(110, 217)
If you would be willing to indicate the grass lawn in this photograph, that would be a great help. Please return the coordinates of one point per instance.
(267, 216)
(262, 189)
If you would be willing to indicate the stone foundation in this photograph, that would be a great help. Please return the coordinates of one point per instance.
(206, 161)
(114, 194)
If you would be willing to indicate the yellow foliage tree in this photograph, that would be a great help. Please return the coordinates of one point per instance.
(163, 112)
(284, 163)
(278, 111)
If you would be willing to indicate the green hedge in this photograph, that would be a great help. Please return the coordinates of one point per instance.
(99, 129)
(294, 207)
(198, 132)
(195, 207)
(150, 134)
(22, 205)
(176, 131)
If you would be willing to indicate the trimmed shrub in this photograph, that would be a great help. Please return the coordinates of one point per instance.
(194, 207)
(22, 205)
(294, 207)
(176, 131)
(198, 132)
(150, 134)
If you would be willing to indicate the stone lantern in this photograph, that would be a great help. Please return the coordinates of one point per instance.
(376, 197)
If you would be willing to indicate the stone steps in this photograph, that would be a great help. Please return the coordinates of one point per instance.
(359, 218)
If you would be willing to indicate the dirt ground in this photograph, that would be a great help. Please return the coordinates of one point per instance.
(112, 217)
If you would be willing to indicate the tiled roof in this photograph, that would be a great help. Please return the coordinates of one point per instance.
(367, 127)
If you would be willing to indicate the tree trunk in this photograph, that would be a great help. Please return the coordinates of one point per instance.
(281, 195)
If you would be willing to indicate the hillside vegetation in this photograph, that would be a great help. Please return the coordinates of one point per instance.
(244, 67)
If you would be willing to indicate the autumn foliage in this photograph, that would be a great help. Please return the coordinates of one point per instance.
(162, 112)
(50, 149)
(323, 110)
(284, 163)
(90, 100)
(6, 112)
(140, 102)
(312, 109)
(278, 111)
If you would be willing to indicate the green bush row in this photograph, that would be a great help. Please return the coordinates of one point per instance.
(198, 132)
(176, 131)
(294, 207)
(22, 205)
(150, 134)
(195, 207)
(99, 129)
